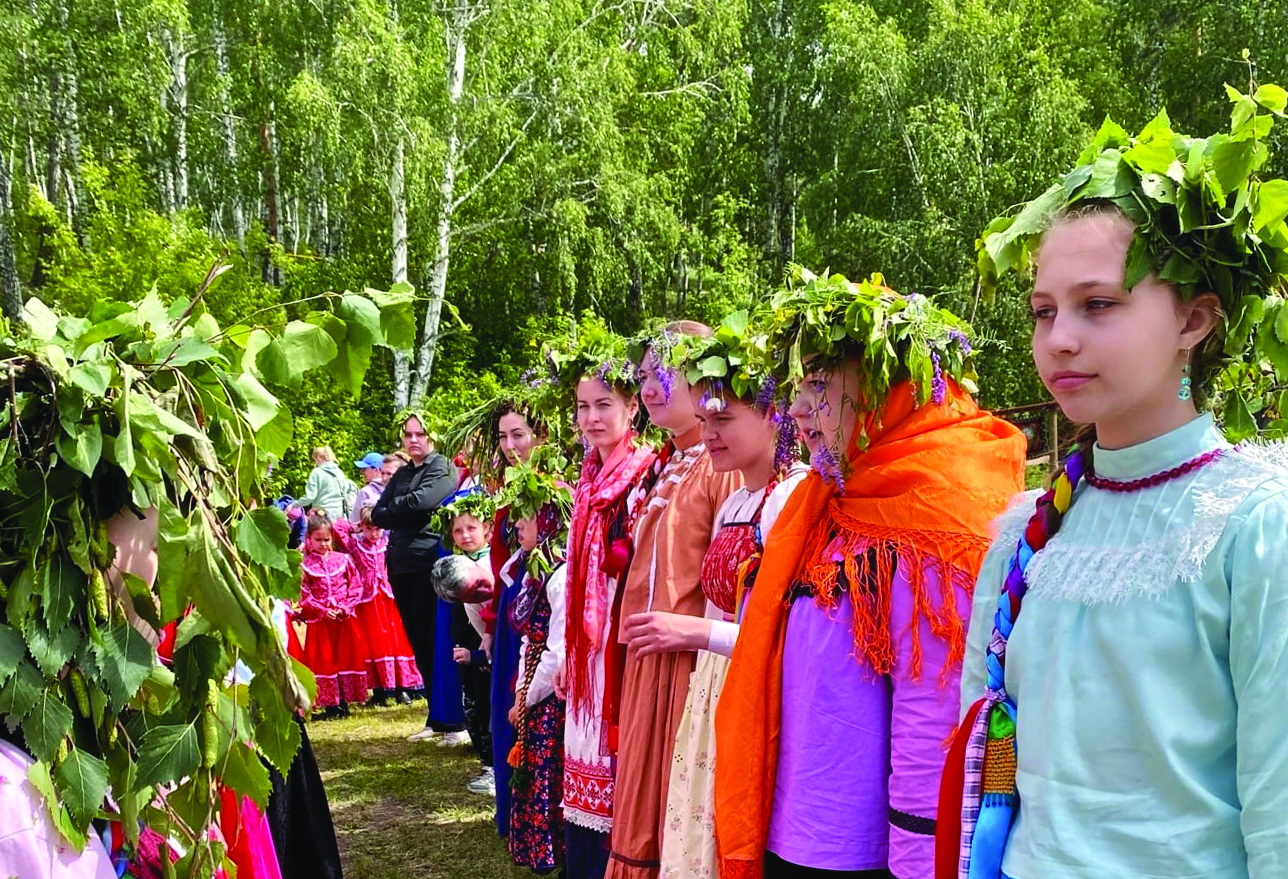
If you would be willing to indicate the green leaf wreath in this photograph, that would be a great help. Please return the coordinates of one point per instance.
(815, 322)
(529, 488)
(476, 503)
(1205, 222)
(152, 412)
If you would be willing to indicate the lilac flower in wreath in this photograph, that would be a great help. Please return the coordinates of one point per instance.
(786, 447)
(960, 338)
(938, 386)
(825, 463)
(765, 396)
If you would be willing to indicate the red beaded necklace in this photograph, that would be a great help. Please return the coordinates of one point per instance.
(1158, 478)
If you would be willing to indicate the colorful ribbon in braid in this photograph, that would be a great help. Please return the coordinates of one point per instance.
(989, 795)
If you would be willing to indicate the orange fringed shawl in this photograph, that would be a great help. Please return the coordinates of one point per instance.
(928, 487)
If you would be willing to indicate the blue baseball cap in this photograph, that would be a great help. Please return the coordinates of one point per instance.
(372, 459)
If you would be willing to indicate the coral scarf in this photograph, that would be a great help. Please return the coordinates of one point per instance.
(599, 490)
(927, 487)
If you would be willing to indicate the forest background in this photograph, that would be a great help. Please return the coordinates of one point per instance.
(520, 162)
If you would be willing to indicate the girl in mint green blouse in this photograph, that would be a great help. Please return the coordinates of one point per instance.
(1125, 689)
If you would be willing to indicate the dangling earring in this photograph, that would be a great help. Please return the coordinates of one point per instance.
(1184, 392)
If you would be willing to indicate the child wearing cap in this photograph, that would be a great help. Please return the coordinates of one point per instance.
(372, 476)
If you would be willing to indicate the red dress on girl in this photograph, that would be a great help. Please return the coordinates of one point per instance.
(389, 661)
(333, 651)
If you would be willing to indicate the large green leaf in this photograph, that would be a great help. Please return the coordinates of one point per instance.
(40, 320)
(353, 352)
(47, 723)
(362, 317)
(64, 589)
(275, 437)
(278, 737)
(172, 552)
(1271, 204)
(20, 692)
(1232, 162)
(181, 352)
(168, 753)
(1237, 417)
(122, 445)
(211, 583)
(126, 659)
(397, 315)
(12, 649)
(92, 378)
(305, 346)
(261, 406)
(83, 448)
(82, 781)
(263, 534)
(51, 650)
(148, 415)
(72, 831)
(273, 365)
(245, 773)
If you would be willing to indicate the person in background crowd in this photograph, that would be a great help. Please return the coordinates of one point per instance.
(541, 506)
(327, 488)
(673, 529)
(330, 589)
(391, 665)
(405, 509)
(463, 588)
(371, 467)
(389, 466)
(503, 434)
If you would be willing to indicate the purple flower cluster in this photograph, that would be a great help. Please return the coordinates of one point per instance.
(765, 396)
(960, 338)
(787, 446)
(825, 463)
(665, 376)
(938, 387)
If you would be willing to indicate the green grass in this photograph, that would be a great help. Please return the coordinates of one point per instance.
(401, 809)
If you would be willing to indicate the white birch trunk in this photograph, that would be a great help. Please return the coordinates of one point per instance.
(456, 30)
(398, 201)
(71, 119)
(10, 294)
(178, 58)
(230, 138)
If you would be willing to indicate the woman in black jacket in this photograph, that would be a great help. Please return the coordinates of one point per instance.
(405, 508)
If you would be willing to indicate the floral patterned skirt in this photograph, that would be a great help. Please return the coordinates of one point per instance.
(689, 840)
(536, 816)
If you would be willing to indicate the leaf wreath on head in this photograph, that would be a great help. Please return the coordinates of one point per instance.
(476, 432)
(586, 349)
(1205, 222)
(470, 502)
(533, 491)
(730, 361)
(815, 322)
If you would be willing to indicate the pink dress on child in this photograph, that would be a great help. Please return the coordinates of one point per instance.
(333, 648)
(389, 659)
